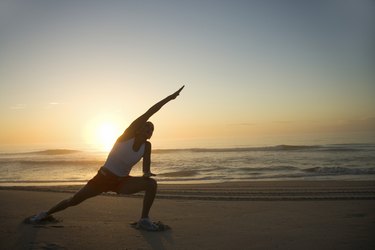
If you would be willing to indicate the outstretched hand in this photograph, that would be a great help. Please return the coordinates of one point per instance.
(177, 93)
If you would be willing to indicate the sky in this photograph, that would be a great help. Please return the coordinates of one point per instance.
(77, 73)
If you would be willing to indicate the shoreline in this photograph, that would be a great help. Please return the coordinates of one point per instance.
(243, 191)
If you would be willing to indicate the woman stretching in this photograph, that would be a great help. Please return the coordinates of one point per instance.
(114, 176)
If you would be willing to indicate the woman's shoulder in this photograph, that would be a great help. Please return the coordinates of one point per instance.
(125, 137)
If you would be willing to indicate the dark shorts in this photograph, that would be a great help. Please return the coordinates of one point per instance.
(105, 181)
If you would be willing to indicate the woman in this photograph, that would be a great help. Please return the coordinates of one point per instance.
(129, 148)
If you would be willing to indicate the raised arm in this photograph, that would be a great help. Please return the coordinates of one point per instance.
(144, 118)
(140, 121)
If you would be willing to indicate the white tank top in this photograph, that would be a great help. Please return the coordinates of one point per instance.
(122, 157)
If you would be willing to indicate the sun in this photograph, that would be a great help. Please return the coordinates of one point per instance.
(102, 133)
(107, 134)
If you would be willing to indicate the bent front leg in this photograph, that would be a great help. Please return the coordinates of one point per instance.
(137, 184)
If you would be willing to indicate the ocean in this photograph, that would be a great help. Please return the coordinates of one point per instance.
(198, 165)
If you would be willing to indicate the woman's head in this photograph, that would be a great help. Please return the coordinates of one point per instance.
(146, 131)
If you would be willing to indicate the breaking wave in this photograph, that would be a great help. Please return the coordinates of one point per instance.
(45, 152)
(282, 147)
(340, 171)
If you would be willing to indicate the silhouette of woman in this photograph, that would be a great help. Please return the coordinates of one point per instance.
(114, 176)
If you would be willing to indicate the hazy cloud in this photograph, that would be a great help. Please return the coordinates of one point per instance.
(242, 124)
(284, 122)
(18, 106)
(366, 124)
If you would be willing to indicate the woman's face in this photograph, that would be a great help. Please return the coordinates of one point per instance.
(147, 130)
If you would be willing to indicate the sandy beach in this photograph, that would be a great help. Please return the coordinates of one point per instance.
(244, 215)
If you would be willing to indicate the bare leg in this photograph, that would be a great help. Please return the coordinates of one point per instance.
(83, 194)
(137, 184)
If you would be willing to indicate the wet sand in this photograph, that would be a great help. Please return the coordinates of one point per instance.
(246, 215)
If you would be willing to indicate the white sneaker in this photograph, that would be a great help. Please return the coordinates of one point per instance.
(147, 224)
(38, 217)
